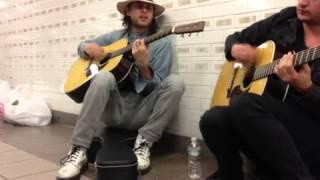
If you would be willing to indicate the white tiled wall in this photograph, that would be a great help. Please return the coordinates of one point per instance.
(39, 40)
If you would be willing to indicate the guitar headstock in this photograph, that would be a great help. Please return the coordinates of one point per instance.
(189, 28)
(182, 29)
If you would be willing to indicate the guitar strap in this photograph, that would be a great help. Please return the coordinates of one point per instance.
(126, 85)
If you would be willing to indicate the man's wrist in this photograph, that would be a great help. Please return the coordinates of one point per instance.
(146, 72)
(142, 65)
(306, 89)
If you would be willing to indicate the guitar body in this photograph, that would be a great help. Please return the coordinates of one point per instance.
(77, 81)
(233, 78)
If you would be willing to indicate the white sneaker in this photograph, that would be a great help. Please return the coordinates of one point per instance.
(142, 150)
(74, 164)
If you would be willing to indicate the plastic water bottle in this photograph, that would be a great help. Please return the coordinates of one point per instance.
(194, 163)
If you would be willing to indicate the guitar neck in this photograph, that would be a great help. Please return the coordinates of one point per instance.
(182, 29)
(162, 33)
(301, 57)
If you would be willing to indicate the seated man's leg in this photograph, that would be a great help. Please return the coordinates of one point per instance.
(88, 124)
(153, 115)
(258, 121)
(216, 129)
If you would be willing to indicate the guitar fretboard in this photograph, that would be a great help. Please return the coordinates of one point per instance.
(162, 33)
(300, 58)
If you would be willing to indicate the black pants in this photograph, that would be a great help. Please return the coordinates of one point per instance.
(280, 138)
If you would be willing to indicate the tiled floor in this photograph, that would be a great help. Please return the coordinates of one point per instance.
(33, 153)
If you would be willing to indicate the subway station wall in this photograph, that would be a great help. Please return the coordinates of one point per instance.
(38, 41)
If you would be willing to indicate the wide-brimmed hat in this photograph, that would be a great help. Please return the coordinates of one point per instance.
(122, 5)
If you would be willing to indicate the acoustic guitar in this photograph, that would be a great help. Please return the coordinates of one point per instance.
(115, 60)
(236, 78)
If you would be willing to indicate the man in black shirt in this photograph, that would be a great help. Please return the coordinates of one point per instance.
(280, 136)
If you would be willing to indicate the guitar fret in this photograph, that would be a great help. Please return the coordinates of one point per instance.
(314, 52)
(261, 71)
(300, 58)
(317, 52)
(296, 58)
(303, 57)
(256, 74)
(270, 70)
(307, 55)
(265, 72)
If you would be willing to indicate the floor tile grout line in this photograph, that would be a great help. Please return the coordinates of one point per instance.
(34, 157)
(18, 148)
(30, 153)
(8, 150)
(4, 178)
(34, 174)
(14, 148)
(45, 171)
(20, 161)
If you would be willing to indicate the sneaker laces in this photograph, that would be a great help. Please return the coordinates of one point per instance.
(142, 150)
(71, 157)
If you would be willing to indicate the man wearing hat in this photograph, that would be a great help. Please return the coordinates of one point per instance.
(146, 101)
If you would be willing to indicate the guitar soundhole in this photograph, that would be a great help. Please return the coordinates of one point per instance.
(248, 77)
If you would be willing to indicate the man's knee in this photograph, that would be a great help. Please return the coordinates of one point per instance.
(243, 103)
(244, 109)
(174, 84)
(204, 122)
(104, 79)
(213, 119)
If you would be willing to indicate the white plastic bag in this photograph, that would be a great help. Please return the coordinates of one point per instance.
(26, 109)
